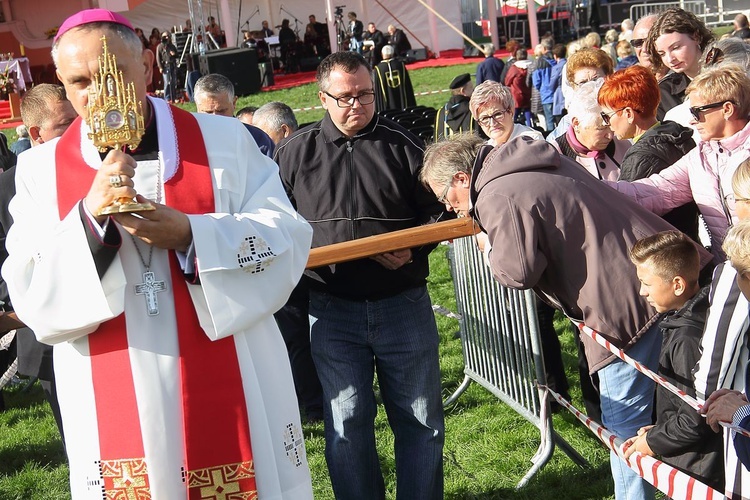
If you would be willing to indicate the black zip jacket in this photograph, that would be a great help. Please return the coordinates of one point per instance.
(658, 148)
(672, 88)
(349, 188)
(681, 435)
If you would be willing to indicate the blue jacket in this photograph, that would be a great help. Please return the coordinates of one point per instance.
(558, 101)
(490, 69)
(625, 62)
(541, 77)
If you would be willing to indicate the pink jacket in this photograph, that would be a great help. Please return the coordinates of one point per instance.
(703, 175)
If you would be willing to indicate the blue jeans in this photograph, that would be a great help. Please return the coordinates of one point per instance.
(627, 399)
(550, 125)
(355, 45)
(396, 336)
(170, 79)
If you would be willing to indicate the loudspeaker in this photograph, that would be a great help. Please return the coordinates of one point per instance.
(309, 63)
(417, 54)
(266, 74)
(239, 65)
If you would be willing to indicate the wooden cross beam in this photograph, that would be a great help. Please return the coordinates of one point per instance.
(389, 242)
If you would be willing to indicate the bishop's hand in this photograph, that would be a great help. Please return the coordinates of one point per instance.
(113, 180)
(164, 227)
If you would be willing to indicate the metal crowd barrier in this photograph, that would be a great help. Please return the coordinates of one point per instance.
(502, 347)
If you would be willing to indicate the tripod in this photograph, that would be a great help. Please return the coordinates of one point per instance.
(340, 27)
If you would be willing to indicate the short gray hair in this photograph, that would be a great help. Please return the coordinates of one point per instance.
(22, 131)
(276, 114)
(387, 51)
(489, 92)
(214, 84)
(443, 159)
(127, 35)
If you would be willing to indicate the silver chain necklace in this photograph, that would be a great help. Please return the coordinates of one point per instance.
(150, 287)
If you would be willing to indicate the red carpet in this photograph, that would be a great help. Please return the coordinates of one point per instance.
(447, 58)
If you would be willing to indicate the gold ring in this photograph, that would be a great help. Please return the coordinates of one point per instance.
(115, 181)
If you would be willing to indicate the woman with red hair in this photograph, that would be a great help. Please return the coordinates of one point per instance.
(629, 100)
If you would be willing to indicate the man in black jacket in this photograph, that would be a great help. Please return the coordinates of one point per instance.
(373, 44)
(399, 41)
(355, 174)
(455, 116)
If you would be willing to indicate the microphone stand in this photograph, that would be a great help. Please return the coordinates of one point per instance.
(246, 23)
(296, 21)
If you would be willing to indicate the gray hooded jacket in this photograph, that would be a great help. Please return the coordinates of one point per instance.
(555, 228)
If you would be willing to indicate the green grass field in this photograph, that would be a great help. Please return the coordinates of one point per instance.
(488, 446)
(487, 450)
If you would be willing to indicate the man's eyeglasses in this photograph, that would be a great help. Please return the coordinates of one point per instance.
(487, 120)
(441, 198)
(637, 42)
(606, 117)
(348, 101)
(697, 110)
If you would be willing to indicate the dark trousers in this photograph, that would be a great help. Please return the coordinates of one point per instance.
(551, 352)
(294, 323)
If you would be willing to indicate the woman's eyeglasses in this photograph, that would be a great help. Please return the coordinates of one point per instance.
(697, 110)
(487, 120)
(606, 117)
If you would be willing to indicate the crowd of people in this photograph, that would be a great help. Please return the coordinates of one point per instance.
(584, 165)
(665, 123)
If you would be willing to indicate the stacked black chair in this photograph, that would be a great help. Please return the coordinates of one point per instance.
(419, 120)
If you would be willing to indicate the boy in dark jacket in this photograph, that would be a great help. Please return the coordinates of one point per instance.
(667, 265)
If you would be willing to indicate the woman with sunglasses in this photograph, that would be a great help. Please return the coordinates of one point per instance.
(719, 104)
(492, 107)
(589, 140)
(629, 99)
(676, 40)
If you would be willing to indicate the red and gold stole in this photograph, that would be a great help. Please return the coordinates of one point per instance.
(217, 438)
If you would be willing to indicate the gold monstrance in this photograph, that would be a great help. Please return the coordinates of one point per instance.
(115, 119)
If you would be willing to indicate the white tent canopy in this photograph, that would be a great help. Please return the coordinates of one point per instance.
(30, 21)
(426, 28)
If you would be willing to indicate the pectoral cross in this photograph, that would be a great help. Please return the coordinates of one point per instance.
(150, 287)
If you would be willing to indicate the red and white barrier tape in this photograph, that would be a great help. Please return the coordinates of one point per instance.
(672, 482)
(599, 339)
(311, 108)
